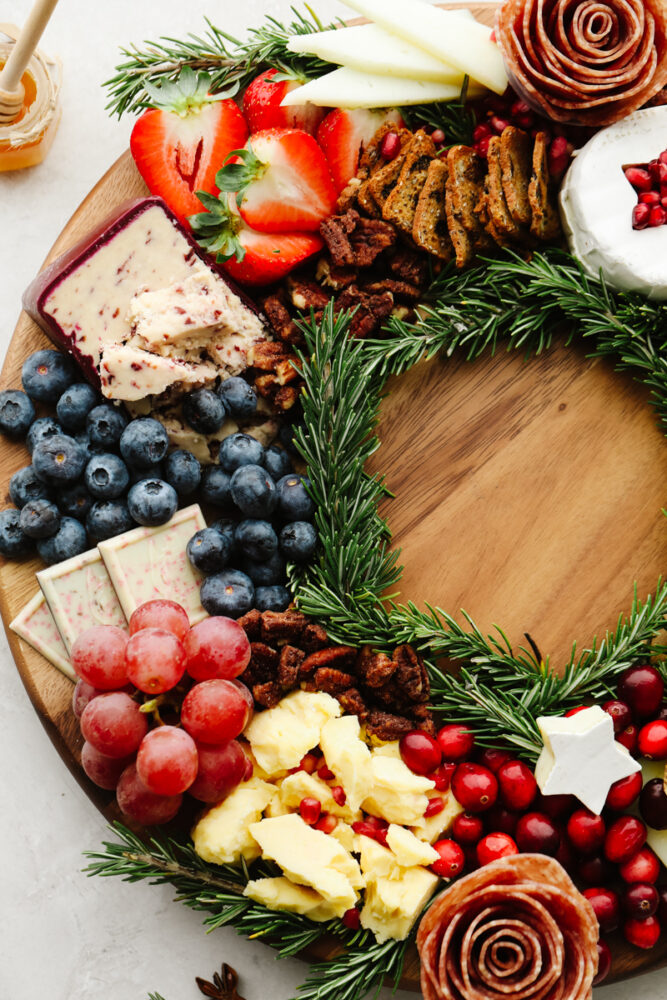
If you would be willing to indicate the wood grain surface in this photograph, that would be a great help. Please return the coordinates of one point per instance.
(527, 492)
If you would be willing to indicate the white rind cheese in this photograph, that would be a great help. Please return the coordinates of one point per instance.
(222, 835)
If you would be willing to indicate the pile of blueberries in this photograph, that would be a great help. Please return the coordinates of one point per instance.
(95, 474)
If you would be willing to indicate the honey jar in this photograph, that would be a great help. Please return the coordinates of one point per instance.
(26, 140)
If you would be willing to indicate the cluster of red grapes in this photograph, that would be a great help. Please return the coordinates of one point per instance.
(160, 709)
(505, 813)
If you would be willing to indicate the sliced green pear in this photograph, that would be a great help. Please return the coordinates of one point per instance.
(348, 88)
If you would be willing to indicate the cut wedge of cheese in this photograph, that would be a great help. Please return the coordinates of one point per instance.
(280, 736)
(408, 849)
(350, 88)
(454, 40)
(392, 905)
(397, 794)
(282, 894)
(348, 757)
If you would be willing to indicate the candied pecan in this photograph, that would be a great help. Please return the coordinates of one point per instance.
(411, 675)
(288, 370)
(280, 627)
(285, 398)
(313, 637)
(423, 717)
(391, 696)
(251, 623)
(355, 241)
(352, 702)
(265, 355)
(277, 313)
(335, 657)
(263, 661)
(408, 265)
(334, 277)
(332, 681)
(288, 667)
(387, 727)
(267, 385)
(347, 199)
(306, 295)
(399, 289)
(374, 669)
(371, 310)
(268, 694)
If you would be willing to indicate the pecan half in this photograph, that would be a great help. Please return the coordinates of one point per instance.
(374, 669)
(251, 623)
(291, 659)
(282, 626)
(387, 727)
(411, 675)
(336, 657)
(332, 681)
(351, 701)
(267, 694)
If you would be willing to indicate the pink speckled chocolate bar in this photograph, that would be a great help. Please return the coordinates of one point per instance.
(36, 626)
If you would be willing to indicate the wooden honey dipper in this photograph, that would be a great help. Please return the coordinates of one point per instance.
(11, 89)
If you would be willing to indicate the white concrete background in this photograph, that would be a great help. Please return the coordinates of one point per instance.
(63, 936)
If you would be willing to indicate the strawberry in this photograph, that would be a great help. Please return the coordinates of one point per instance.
(282, 182)
(262, 99)
(180, 143)
(344, 134)
(250, 257)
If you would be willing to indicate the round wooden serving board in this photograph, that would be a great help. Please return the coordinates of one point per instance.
(527, 492)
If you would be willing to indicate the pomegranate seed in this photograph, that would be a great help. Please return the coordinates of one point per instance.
(351, 919)
(475, 787)
(656, 217)
(662, 173)
(642, 933)
(442, 776)
(390, 147)
(537, 834)
(663, 201)
(606, 906)
(377, 822)
(326, 823)
(649, 198)
(482, 147)
(494, 846)
(663, 157)
(438, 137)
(366, 829)
(519, 107)
(494, 759)
(604, 962)
(518, 787)
(310, 810)
(654, 171)
(525, 121)
(309, 763)
(640, 178)
(642, 867)
(619, 711)
(628, 738)
(456, 742)
(481, 131)
(325, 774)
(625, 837)
(435, 806)
(467, 829)
(420, 752)
(586, 831)
(559, 146)
(642, 689)
(338, 795)
(498, 124)
(451, 861)
(641, 900)
(624, 792)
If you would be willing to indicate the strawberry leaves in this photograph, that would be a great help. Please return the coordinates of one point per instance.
(235, 178)
(217, 229)
(188, 93)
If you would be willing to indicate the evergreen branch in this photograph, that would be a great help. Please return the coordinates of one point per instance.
(456, 118)
(356, 971)
(229, 61)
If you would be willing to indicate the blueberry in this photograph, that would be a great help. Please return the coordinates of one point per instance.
(106, 477)
(208, 550)
(272, 598)
(253, 491)
(83, 438)
(105, 424)
(26, 485)
(14, 544)
(256, 539)
(39, 519)
(69, 540)
(227, 527)
(75, 404)
(59, 459)
(46, 374)
(108, 518)
(240, 449)
(240, 399)
(152, 502)
(229, 593)
(75, 501)
(152, 472)
(40, 430)
(215, 483)
(294, 503)
(144, 442)
(17, 413)
(267, 572)
(298, 541)
(204, 411)
(182, 471)
(277, 462)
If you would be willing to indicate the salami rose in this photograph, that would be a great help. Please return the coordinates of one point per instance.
(517, 927)
(586, 62)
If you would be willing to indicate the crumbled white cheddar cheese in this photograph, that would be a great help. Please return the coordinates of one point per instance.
(302, 785)
(376, 861)
(348, 757)
(430, 828)
(310, 857)
(282, 894)
(408, 849)
(346, 836)
(397, 794)
(222, 835)
(391, 905)
(280, 736)
(392, 749)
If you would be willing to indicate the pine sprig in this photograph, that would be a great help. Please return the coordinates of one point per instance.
(456, 118)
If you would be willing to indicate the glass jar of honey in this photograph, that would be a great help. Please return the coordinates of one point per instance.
(26, 141)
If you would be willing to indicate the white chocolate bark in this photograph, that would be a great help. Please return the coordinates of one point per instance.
(35, 625)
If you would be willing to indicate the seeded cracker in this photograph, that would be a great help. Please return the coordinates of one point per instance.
(516, 168)
(400, 206)
(429, 230)
(497, 207)
(463, 192)
(545, 224)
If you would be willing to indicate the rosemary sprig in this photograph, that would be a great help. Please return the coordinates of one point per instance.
(456, 118)
(228, 60)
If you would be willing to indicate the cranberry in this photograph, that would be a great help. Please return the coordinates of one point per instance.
(435, 806)
(625, 837)
(494, 846)
(640, 216)
(325, 774)
(501, 820)
(642, 933)
(326, 823)
(351, 919)
(620, 714)
(555, 806)
(628, 738)
(575, 711)
(624, 792)
(595, 870)
(642, 867)
(456, 742)
(564, 855)
(420, 752)
(642, 689)
(451, 861)
(604, 962)
(517, 785)
(639, 178)
(606, 906)
(475, 787)
(494, 759)
(310, 810)
(536, 833)
(662, 905)
(338, 795)
(652, 740)
(586, 831)
(657, 216)
(442, 776)
(467, 829)
(390, 147)
(653, 804)
(641, 900)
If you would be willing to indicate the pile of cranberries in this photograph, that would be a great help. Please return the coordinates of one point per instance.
(650, 182)
(505, 813)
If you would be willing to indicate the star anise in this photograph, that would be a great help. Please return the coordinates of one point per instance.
(223, 986)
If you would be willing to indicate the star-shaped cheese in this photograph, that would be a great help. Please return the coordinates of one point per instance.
(581, 757)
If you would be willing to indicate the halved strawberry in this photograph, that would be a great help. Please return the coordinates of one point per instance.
(344, 134)
(262, 99)
(282, 183)
(179, 145)
(250, 257)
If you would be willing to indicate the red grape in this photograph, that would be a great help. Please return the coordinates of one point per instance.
(217, 647)
(167, 760)
(214, 711)
(104, 771)
(98, 656)
(82, 694)
(141, 805)
(167, 615)
(221, 769)
(114, 724)
(155, 660)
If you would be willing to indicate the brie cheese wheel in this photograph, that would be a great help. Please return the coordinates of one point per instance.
(596, 202)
